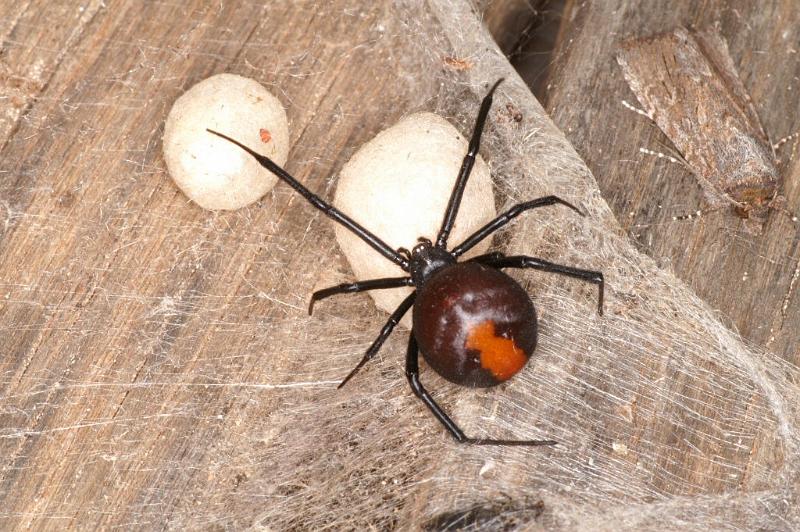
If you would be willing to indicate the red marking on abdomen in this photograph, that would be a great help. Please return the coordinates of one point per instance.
(499, 355)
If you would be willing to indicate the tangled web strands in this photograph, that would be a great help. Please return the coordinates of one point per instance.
(664, 416)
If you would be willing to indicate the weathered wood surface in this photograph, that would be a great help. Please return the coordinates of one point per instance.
(751, 279)
(110, 277)
(158, 369)
(512, 22)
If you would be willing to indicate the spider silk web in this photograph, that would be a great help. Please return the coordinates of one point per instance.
(161, 371)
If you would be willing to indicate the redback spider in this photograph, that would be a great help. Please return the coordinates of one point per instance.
(475, 325)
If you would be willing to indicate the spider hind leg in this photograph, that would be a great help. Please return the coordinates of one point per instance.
(412, 374)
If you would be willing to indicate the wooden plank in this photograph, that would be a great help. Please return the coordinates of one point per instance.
(512, 21)
(125, 306)
(159, 370)
(750, 278)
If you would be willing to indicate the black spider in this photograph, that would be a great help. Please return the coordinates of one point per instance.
(475, 325)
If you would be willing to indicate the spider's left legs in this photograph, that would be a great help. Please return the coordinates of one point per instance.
(466, 169)
(497, 260)
(412, 373)
(359, 286)
(393, 320)
(318, 203)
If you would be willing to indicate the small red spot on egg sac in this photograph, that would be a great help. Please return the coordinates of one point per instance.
(266, 136)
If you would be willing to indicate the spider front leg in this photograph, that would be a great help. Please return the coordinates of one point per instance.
(499, 261)
(327, 209)
(412, 373)
(466, 168)
(506, 217)
(359, 286)
(393, 320)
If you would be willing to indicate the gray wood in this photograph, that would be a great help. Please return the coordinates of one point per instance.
(158, 368)
(512, 21)
(750, 278)
(125, 309)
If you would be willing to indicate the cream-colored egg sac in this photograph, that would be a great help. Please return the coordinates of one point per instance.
(211, 171)
(398, 185)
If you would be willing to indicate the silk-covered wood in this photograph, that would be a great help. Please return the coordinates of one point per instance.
(158, 367)
(750, 278)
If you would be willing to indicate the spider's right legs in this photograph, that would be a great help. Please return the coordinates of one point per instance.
(412, 373)
(393, 320)
(360, 286)
(506, 217)
(498, 260)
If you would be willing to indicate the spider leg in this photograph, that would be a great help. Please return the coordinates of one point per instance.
(329, 210)
(506, 217)
(466, 168)
(412, 373)
(521, 261)
(487, 258)
(360, 286)
(393, 320)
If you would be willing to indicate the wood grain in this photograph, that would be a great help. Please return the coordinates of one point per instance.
(687, 84)
(751, 279)
(158, 366)
(512, 21)
(123, 305)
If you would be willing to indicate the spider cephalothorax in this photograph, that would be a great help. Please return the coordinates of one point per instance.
(475, 325)
(426, 260)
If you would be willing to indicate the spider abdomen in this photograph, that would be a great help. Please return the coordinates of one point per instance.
(475, 325)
